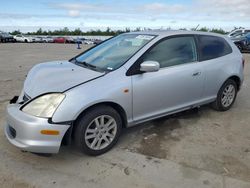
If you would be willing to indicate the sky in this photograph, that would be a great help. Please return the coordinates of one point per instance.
(29, 15)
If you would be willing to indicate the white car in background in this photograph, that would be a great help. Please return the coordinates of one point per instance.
(237, 32)
(88, 42)
(22, 38)
(48, 39)
(37, 39)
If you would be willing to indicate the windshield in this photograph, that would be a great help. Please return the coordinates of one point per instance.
(113, 53)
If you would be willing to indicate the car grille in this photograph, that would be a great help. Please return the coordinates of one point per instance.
(12, 132)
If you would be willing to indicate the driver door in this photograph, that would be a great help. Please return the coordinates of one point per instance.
(177, 85)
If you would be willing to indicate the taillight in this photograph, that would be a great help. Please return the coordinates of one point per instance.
(243, 62)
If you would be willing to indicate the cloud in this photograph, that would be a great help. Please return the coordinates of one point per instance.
(236, 11)
(75, 6)
(74, 13)
(209, 13)
(224, 10)
(14, 16)
(119, 8)
(75, 9)
(163, 8)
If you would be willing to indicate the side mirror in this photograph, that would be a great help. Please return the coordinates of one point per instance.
(150, 66)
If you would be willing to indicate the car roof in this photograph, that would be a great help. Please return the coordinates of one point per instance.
(165, 33)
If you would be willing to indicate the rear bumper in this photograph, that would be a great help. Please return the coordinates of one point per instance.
(24, 131)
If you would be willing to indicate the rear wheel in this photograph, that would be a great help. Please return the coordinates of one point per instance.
(98, 130)
(226, 96)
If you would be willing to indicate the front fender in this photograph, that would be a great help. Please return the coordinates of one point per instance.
(109, 88)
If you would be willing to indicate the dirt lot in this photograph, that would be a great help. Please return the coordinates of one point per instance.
(199, 149)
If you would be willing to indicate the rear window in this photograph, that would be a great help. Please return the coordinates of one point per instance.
(213, 47)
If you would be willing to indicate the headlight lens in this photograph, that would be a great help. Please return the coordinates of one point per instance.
(44, 106)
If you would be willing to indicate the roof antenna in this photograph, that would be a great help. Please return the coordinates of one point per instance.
(197, 27)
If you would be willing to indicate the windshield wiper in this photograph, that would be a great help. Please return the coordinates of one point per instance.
(88, 65)
(85, 64)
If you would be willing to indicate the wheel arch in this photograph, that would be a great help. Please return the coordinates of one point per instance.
(237, 81)
(217, 104)
(114, 105)
(70, 133)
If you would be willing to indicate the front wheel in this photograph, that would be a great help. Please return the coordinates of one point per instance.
(226, 96)
(98, 130)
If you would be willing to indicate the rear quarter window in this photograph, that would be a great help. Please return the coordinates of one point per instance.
(212, 47)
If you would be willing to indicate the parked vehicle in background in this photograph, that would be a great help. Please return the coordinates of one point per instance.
(88, 42)
(81, 40)
(23, 38)
(59, 40)
(6, 37)
(64, 40)
(97, 41)
(48, 39)
(38, 39)
(237, 32)
(70, 40)
(242, 41)
(127, 80)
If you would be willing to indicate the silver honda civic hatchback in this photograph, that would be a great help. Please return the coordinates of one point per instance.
(126, 80)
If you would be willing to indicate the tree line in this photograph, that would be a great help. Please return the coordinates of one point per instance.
(107, 32)
(76, 32)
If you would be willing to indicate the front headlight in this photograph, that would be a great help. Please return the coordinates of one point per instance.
(44, 106)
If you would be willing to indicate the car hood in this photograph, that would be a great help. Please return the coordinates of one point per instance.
(56, 76)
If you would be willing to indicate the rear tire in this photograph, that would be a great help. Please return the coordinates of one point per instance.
(98, 130)
(226, 96)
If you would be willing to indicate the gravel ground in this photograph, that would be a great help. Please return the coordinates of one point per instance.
(198, 148)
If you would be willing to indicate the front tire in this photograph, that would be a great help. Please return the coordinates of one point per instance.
(98, 130)
(226, 96)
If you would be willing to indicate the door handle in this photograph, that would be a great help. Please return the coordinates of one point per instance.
(196, 73)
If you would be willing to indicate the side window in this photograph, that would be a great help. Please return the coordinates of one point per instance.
(213, 47)
(173, 51)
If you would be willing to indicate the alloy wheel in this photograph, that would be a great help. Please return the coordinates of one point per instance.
(228, 95)
(100, 132)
